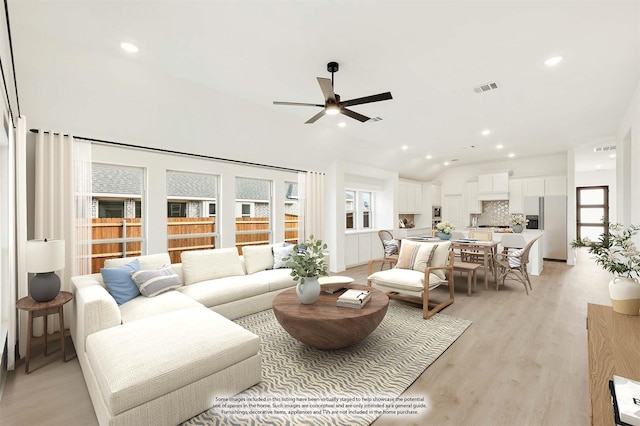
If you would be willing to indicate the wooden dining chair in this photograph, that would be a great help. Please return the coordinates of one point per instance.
(512, 263)
(390, 246)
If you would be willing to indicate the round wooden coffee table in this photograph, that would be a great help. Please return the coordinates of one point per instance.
(325, 326)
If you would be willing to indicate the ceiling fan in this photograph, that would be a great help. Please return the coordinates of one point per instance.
(332, 104)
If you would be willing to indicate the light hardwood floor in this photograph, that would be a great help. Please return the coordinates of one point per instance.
(523, 361)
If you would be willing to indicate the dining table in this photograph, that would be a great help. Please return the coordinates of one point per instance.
(488, 249)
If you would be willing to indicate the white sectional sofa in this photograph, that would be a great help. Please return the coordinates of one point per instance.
(161, 360)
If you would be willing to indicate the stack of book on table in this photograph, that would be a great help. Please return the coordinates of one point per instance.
(353, 298)
(625, 398)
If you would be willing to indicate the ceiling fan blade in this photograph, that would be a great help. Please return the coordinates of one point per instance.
(296, 104)
(354, 114)
(315, 117)
(367, 99)
(327, 89)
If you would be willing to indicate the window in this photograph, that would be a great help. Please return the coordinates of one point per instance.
(191, 212)
(117, 213)
(291, 214)
(253, 212)
(359, 209)
(592, 211)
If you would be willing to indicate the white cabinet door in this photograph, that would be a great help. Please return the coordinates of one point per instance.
(533, 187)
(556, 185)
(377, 251)
(452, 210)
(516, 198)
(364, 248)
(402, 197)
(485, 183)
(351, 250)
(417, 198)
(436, 195)
(500, 182)
(473, 204)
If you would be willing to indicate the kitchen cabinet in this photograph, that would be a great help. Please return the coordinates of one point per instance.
(473, 204)
(493, 186)
(361, 247)
(409, 197)
(436, 195)
(516, 196)
(351, 249)
(533, 187)
(555, 185)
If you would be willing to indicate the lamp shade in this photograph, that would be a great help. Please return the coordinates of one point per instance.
(45, 255)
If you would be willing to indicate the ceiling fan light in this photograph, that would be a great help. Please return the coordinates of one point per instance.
(332, 109)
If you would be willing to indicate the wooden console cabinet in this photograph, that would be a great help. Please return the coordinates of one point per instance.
(614, 348)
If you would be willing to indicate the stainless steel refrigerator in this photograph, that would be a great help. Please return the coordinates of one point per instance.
(550, 214)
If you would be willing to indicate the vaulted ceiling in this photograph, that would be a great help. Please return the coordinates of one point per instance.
(207, 73)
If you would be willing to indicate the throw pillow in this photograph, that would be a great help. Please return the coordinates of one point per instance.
(152, 283)
(424, 257)
(119, 283)
(515, 262)
(279, 254)
(408, 252)
(390, 247)
(257, 258)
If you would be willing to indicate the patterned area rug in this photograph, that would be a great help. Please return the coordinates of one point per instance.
(353, 386)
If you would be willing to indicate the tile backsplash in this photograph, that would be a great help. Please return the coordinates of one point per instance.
(494, 213)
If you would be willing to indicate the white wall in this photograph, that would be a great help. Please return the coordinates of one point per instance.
(627, 161)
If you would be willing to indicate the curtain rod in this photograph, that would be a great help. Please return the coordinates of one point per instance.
(169, 151)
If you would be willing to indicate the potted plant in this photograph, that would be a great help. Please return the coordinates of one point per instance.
(518, 222)
(307, 263)
(616, 252)
(444, 230)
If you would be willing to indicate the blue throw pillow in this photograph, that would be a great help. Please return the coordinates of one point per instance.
(119, 282)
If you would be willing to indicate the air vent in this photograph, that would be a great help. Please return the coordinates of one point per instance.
(486, 87)
(374, 119)
(604, 148)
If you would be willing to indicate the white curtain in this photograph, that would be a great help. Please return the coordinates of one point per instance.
(62, 207)
(311, 195)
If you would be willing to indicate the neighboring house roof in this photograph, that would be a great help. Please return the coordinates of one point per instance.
(107, 179)
(191, 185)
(252, 189)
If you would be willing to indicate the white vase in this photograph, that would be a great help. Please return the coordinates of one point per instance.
(625, 295)
(517, 228)
(309, 291)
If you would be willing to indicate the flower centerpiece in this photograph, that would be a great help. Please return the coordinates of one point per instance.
(518, 222)
(444, 230)
(616, 252)
(307, 263)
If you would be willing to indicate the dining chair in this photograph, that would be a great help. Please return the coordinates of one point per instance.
(475, 256)
(512, 263)
(390, 246)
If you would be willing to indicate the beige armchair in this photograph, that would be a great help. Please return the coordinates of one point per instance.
(421, 267)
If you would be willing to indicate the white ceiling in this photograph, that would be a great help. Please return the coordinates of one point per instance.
(208, 71)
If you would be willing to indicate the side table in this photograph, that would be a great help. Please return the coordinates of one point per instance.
(44, 309)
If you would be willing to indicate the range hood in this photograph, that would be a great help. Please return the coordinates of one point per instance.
(493, 196)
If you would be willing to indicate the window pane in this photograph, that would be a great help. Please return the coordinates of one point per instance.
(117, 213)
(592, 196)
(253, 202)
(291, 212)
(190, 224)
(349, 220)
(591, 214)
(350, 197)
(591, 232)
(365, 220)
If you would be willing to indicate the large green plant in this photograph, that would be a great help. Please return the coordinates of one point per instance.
(615, 251)
(307, 260)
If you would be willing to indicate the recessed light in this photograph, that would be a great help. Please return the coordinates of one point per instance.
(342, 124)
(429, 157)
(486, 132)
(129, 47)
(553, 61)
(612, 156)
(499, 146)
(446, 163)
(404, 147)
(598, 166)
(511, 155)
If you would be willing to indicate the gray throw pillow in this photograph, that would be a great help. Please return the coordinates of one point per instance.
(152, 283)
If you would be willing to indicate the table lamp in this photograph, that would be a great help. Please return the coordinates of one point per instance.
(43, 258)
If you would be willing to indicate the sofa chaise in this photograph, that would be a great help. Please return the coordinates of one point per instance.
(164, 357)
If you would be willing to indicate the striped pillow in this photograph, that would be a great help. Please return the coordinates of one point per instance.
(152, 283)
